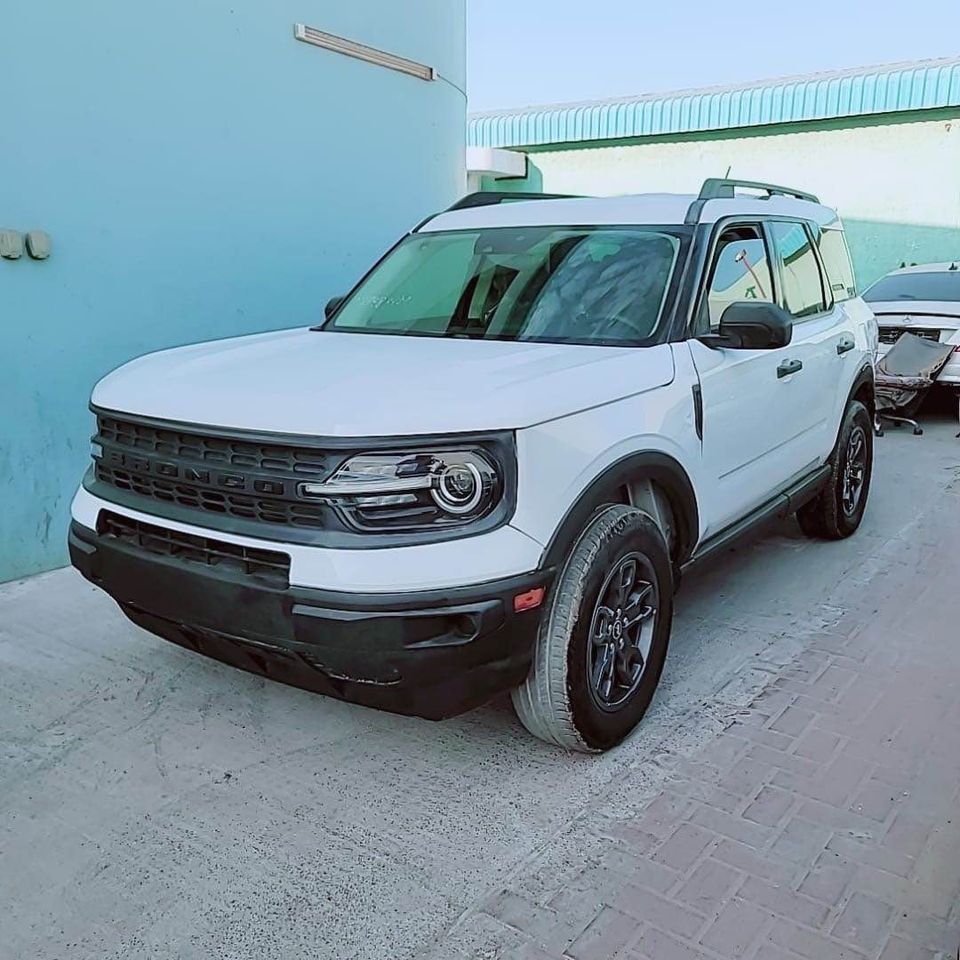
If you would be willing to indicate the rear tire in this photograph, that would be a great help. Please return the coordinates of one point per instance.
(838, 509)
(603, 638)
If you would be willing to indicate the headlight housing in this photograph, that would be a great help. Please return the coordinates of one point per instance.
(413, 489)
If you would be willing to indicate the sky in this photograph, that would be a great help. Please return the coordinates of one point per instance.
(523, 52)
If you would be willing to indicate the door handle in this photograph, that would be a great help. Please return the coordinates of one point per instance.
(845, 346)
(788, 367)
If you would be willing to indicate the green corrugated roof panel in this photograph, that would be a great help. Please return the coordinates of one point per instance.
(871, 90)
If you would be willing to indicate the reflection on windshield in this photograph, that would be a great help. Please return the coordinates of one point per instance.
(555, 284)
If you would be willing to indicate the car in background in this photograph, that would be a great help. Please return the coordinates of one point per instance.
(923, 299)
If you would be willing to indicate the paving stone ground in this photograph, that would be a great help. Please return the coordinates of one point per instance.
(792, 792)
(823, 823)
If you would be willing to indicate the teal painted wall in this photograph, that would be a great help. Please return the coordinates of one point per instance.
(201, 175)
(877, 247)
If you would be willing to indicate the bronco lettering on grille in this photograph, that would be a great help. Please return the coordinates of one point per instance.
(202, 475)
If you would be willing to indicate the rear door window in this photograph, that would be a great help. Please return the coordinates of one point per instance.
(802, 285)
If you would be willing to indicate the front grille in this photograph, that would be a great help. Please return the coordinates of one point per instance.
(893, 334)
(215, 451)
(267, 566)
(261, 509)
(246, 479)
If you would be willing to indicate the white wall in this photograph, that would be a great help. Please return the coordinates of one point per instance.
(897, 186)
(899, 173)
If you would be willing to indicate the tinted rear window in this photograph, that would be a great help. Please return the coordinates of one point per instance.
(942, 285)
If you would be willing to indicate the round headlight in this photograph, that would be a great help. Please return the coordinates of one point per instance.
(411, 490)
(459, 488)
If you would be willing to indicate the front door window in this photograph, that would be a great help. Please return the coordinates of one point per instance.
(741, 271)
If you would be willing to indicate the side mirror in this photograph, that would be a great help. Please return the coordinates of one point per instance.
(333, 304)
(753, 325)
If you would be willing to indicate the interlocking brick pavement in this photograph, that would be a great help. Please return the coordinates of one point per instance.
(822, 823)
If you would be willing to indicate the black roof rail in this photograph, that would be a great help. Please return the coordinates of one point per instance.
(716, 188)
(722, 188)
(489, 198)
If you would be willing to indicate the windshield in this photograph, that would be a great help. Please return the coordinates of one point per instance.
(944, 285)
(555, 284)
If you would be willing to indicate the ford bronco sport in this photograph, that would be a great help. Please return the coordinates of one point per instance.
(488, 467)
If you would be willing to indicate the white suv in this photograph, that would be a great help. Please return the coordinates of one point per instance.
(487, 468)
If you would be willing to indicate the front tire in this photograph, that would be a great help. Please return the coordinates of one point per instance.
(603, 639)
(838, 509)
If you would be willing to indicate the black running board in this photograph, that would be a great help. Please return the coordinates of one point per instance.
(782, 505)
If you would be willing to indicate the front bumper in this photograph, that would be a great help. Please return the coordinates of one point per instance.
(432, 654)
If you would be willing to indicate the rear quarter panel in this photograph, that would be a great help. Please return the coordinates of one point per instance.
(861, 324)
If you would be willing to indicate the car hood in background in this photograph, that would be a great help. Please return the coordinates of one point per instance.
(340, 384)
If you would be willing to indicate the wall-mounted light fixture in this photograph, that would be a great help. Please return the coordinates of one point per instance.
(360, 51)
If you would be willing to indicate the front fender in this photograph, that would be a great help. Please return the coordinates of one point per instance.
(662, 469)
(569, 466)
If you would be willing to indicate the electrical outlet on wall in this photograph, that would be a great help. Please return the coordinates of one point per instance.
(11, 244)
(38, 244)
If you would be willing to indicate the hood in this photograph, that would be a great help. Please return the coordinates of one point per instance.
(351, 385)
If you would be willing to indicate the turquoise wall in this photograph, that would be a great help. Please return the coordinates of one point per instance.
(201, 174)
(877, 248)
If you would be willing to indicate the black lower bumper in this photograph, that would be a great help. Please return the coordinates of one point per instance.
(430, 654)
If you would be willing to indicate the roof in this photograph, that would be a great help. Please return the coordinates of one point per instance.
(865, 91)
(945, 267)
(644, 208)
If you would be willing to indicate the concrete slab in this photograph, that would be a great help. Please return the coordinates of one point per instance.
(154, 803)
